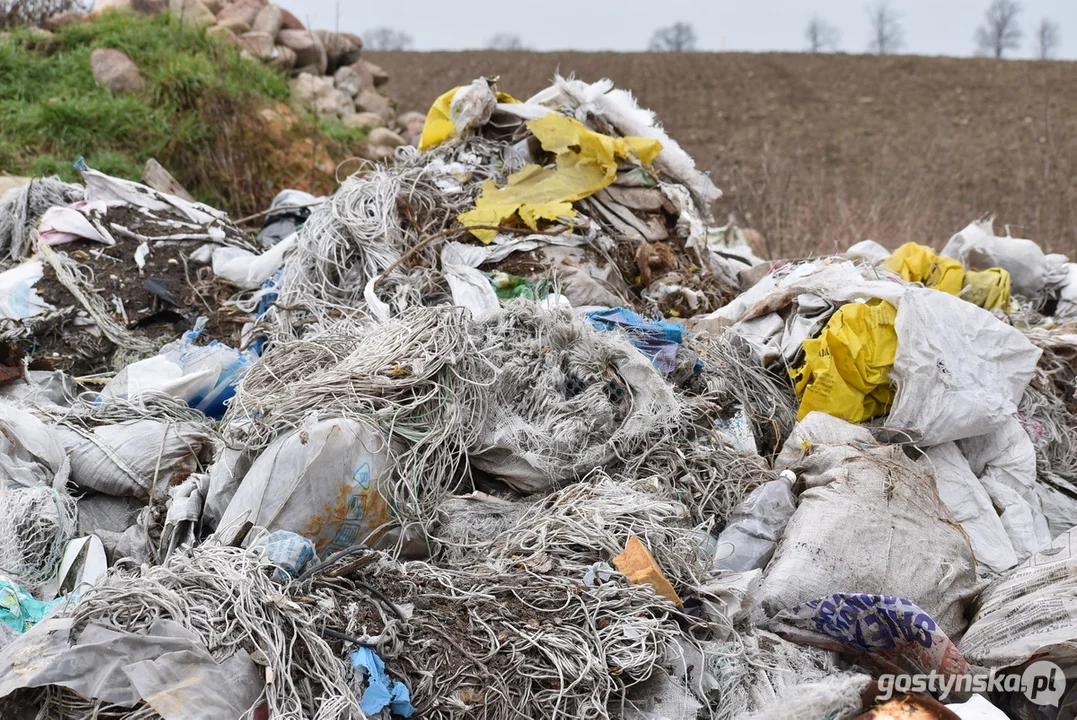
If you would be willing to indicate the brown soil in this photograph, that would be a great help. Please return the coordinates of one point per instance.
(820, 151)
(116, 278)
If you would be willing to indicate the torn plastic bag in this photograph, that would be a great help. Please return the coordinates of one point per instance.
(846, 370)
(248, 270)
(1067, 294)
(451, 116)
(890, 632)
(656, 339)
(83, 564)
(1029, 611)
(290, 552)
(30, 451)
(295, 207)
(586, 162)
(600, 102)
(976, 708)
(318, 481)
(1005, 463)
(867, 251)
(977, 248)
(203, 376)
(834, 279)
(470, 288)
(867, 515)
(380, 692)
(988, 289)
(137, 458)
(18, 298)
(736, 431)
(971, 505)
(748, 541)
(959, 371)
(184, 517)
(19, 610)
(919, 264)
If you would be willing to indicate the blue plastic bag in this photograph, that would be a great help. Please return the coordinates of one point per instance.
(380, 691)
(656, 339)
(203, 376)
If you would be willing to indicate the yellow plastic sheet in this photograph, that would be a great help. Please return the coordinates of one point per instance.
(989, 289)
(586, 162)
(439, 126)
(846, 371)
(919, 263)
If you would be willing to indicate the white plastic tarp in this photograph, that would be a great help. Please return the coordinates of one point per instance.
(971, 505)
(959, 371)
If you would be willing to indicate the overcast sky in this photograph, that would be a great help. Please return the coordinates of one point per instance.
(932, 27)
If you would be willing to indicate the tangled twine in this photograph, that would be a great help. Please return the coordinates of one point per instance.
(481, 640)
(368, 227)
(36, 522)
(226, 597)
(20, 209)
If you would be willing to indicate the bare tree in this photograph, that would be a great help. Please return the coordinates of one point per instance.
(678, 37)
(887, 35)
(384, 38)
(999, 31)
(36, 12)
(821, 35)
(506, 41)
(1048, 38)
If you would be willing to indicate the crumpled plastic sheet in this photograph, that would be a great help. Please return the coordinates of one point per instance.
(381, 692)
(586, 162)
(656, 339)
(168, 667)
(846, 370)
(960, 372)
(20, 610)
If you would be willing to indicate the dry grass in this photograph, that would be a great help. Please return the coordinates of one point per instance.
(819, 151)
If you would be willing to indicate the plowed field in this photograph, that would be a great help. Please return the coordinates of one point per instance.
(819, 151)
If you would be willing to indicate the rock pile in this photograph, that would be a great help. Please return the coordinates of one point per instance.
(330, 78)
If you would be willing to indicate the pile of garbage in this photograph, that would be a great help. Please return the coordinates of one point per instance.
(508, 427)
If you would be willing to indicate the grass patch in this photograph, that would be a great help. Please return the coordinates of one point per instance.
(200, 114)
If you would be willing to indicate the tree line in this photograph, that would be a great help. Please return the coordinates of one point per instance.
(999, 33)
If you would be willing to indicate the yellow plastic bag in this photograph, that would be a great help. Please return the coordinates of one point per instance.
(586, 162)
(989, 288)
(439, 125)
(919, 263)
(846, 370)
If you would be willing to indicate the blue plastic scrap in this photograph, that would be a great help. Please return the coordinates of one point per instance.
(20, 610)
(657, 339)
(380, 691)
